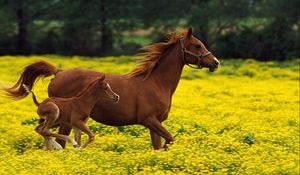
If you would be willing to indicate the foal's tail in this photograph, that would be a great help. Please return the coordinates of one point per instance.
(26, 88)
(29, 75)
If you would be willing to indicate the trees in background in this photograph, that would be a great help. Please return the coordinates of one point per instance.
(17, 21)
(261, 29)
(269, 31)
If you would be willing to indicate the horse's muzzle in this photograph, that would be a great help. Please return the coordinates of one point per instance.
(116, 98)
(215, 65)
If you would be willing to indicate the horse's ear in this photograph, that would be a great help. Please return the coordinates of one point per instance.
(189, 33)
(102, 77)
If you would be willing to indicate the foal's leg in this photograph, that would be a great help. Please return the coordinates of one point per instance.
(48, 142)
(47, 133)
(54, 144)
(51, 144)
(64, 129)
(80, 124)
(154, 125)
(77, 135)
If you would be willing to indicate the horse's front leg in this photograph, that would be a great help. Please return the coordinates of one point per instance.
(156, 141)
(155, 126)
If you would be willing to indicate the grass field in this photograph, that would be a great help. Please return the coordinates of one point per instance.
(242, 119)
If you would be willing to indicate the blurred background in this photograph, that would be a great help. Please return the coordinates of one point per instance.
(260, 29)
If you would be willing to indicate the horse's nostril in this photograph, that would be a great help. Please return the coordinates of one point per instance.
(117, 98)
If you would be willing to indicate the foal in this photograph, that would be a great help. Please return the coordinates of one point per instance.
(73, 111)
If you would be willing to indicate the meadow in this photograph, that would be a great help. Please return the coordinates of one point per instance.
(241, 119)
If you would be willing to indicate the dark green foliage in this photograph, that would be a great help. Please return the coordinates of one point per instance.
(260, 29)
(32, 121)
(115, 147)
(249, 139)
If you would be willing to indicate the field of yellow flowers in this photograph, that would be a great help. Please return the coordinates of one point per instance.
(242, 119)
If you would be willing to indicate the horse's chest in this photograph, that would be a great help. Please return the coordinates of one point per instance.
(153, 104)
(164, 115)
(162, 108)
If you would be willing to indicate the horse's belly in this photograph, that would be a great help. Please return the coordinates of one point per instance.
(113, 120)
(113, 114)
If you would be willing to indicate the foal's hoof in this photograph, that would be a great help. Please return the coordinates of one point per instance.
(76, 146)
(55, 145)
(74, 143)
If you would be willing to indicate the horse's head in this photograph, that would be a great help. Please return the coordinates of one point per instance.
(105, 92)
(194, 52)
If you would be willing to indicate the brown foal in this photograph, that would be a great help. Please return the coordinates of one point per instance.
(73, 111)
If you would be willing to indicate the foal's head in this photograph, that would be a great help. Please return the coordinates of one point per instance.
(104, 91)
(196, 53)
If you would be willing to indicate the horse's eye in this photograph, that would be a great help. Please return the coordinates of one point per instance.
(198, 46)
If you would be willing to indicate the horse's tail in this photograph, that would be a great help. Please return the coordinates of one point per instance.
(29, 75)
(26, 88)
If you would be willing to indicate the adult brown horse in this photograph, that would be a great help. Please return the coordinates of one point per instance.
(145, 93)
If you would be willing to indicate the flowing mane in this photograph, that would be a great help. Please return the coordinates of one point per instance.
(152, 55)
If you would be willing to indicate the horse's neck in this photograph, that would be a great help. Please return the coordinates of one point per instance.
(88, 98)
(169, 69)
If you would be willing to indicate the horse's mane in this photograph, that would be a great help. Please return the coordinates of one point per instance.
(152, 55)
(87, 87)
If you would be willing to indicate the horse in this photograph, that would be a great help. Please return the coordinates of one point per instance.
(146, 92)
(73, 111)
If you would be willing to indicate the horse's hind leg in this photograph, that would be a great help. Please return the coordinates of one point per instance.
(52, 144)
(49, 143)
(47, 133)
(52, 115)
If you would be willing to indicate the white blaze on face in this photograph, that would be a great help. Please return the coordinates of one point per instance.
(113, 92)
(217, 60)
(108, 88)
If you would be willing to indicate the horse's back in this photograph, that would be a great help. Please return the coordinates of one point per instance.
(69, 83)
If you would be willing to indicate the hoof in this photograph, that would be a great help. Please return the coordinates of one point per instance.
(76, 146)
(55, 145)
(74, 143)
